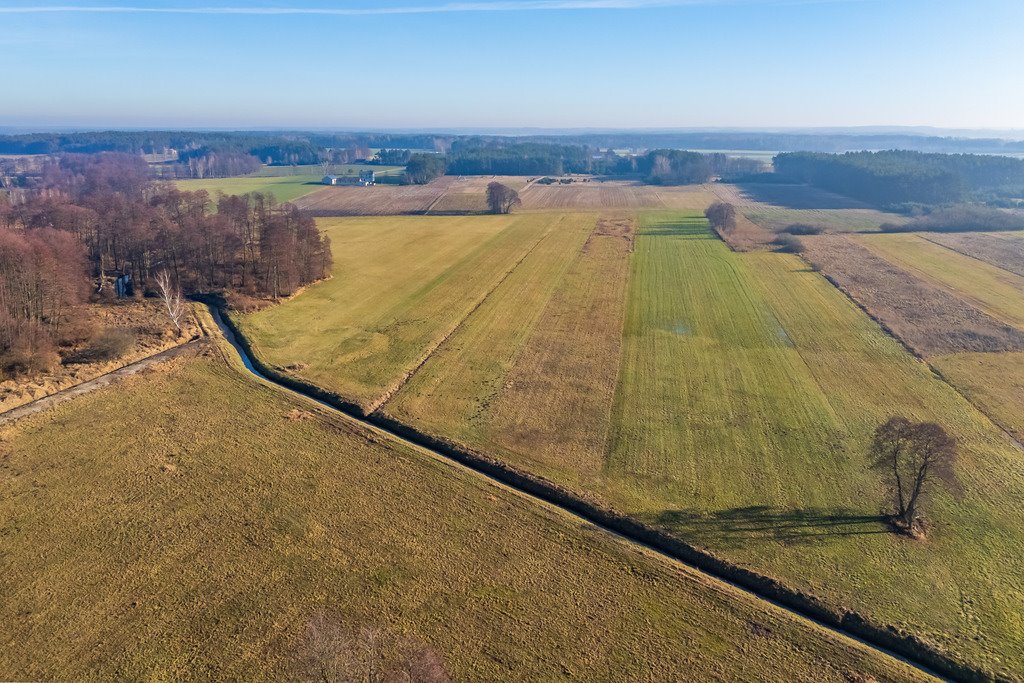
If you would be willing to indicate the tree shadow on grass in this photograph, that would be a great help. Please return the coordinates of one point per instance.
(741, 526)
(796, 196)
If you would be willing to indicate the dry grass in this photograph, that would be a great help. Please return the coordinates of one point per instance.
(468, 194)
(929, 318)
(555, 404)
(992, 290)
(532, 372)
(605, 195)
(1002, 251)
(401, 285)
(202, 535)
(145, 320)
(452, 390)
(747, 391)
(447, 194)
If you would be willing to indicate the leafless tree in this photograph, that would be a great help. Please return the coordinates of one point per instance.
(501, 198)
(170, 295)
(914, 456)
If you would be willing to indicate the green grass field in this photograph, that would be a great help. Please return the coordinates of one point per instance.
(220, 529)
(733, 405)
(285, 188)
(748, 391)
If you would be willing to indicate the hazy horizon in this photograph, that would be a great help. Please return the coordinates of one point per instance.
(513, 64)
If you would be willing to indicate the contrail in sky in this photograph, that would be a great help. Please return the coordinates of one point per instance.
(498, 6)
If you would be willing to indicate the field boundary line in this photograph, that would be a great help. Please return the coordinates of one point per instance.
(882, 638)
(970, 256)
(936, 372)
(407, 376)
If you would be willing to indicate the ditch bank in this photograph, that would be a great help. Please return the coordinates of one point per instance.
(881, 638)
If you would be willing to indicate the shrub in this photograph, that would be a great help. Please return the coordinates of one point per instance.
(802, 229)
(788, 244)
(110, 344)
(25, 348)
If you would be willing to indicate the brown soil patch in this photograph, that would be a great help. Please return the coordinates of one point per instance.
(622, 227)
(1002, 251)
(930, 320)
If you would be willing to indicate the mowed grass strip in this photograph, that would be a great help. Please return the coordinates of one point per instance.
(400, 285)
(991, 289)
(449, 395)
(283, 188)
(748, 391)
(553, 412)
(217, 528)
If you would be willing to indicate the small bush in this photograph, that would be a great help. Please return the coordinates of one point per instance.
(25, 348)
(802, 229)
(110, 344)
(788, 244)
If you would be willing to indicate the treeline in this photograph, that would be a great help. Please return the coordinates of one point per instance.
(811, 140)
(474, 157)
(661, 166)
(676, 167)
(100, 219)
(902, 177)
(158, 141)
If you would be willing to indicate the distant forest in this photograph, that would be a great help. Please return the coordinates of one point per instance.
(902, 177)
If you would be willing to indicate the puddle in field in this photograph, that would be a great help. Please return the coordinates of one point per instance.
(784, 336)
(679, 328)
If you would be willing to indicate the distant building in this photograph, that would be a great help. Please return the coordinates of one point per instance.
(365, 178)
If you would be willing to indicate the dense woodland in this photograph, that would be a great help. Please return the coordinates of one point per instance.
(96, 218)
(901, 177)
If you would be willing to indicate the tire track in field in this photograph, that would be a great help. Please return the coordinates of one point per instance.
(406, 377)
(635, 534)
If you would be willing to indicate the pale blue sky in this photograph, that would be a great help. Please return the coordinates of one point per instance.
(548, 63)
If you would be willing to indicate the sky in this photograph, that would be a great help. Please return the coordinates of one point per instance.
(429, 64)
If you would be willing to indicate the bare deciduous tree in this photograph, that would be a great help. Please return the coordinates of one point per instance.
(914, 457)
(170, 295)
(501, 198)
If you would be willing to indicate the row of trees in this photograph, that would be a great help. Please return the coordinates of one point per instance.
(900, 177)
(677, 167)
(99, 219)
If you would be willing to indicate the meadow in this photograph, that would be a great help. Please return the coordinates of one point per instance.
(222, 529)
(401, 285)
(727, 397)
(284, 188)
